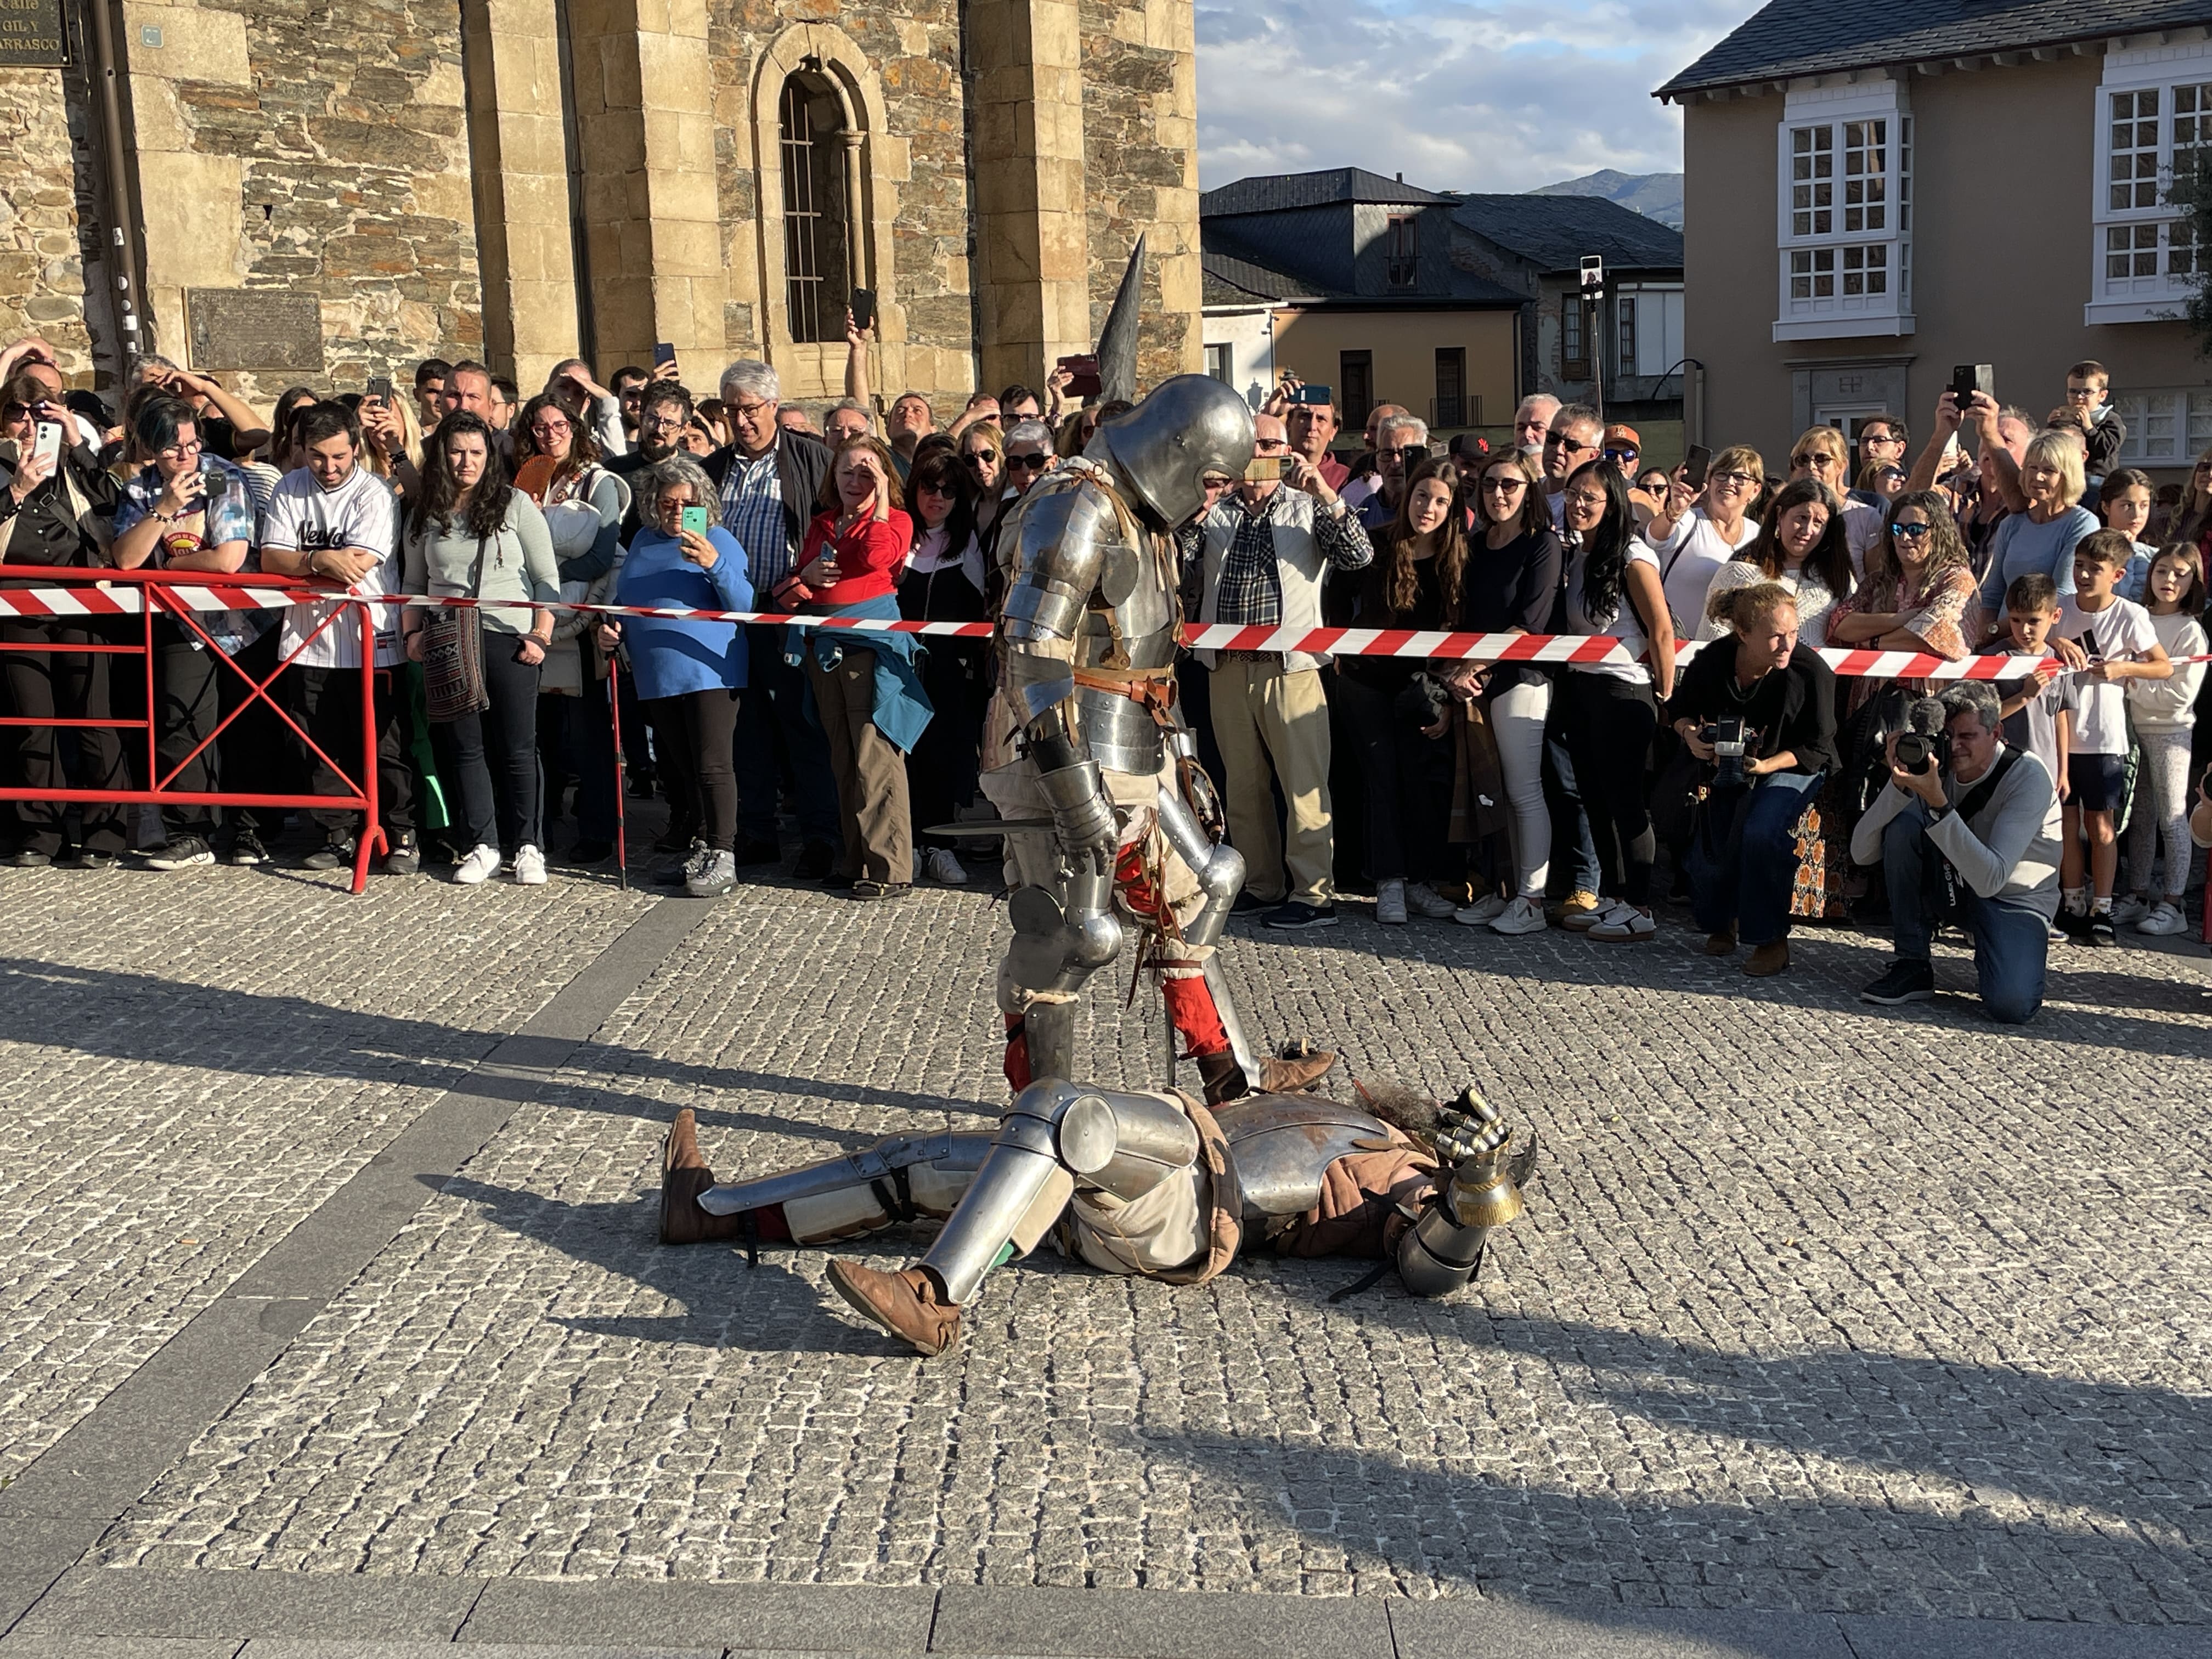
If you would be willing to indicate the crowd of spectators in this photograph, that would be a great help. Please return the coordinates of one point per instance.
(1493, 794)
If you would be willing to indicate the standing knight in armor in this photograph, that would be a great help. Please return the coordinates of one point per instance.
(1086, 759)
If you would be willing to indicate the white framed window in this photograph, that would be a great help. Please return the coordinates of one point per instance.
(2164, 429)
(2154, 111)
(1844, 217)
(1650, 327)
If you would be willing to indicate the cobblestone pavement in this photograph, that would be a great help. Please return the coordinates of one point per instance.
(1817, 1307)
(189, 1063)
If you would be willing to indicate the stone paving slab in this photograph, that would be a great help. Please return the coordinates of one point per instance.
(92, 1602)
(849, 1617)
(1144, 1625)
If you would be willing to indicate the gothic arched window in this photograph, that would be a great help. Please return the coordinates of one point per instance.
(820, 147)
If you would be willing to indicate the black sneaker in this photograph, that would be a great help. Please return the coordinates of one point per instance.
(1298, 913)
(1909, 980)
(246, 849)
(336, 854)
(402, 854)
(86, 859)
(2100, 930)
(181, 853)
(28, 858)
(815, 860)
(1246, 902)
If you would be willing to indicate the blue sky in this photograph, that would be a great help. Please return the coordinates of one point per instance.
(1456, 96)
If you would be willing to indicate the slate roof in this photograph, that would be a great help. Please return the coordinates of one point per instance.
(1817, 37)
(1553, 231)
(1271, 192)
(1231, 281)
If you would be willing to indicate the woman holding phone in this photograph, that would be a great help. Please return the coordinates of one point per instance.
(867, 687)
(188, 510)
(689, 674)
(470, 534)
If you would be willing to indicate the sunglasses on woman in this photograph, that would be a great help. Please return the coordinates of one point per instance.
(1912, 532)
(1027, 462)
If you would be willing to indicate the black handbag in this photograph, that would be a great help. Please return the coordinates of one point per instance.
(452, 657)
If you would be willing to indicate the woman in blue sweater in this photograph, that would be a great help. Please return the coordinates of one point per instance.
(687, 673)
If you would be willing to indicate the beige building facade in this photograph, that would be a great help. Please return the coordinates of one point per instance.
(322, 195)
(1854, 229)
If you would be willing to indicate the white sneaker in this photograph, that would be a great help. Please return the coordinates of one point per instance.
(529, 866)
(1390, 904)
(2164, 921)
(1622, 923)
(480, 866)
(939, 864)
(1523, 915)
(1423, 900)
(1488, 907)
(2128, 911)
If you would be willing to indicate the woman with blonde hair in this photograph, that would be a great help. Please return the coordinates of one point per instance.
(1699, 527)
(2041, 541)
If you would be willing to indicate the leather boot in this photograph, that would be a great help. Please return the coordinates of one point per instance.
(905, 1303)
(683, 1176)
(1293, 1074)
(1223, 1078)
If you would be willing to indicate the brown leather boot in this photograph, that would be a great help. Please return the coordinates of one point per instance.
(1223, 1077)
(1721, 945)
(905, 1303)
(1294, 1074)
(683, 1176)
(1768, 960)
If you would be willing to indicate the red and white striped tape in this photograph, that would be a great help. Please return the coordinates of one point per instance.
(100, 600)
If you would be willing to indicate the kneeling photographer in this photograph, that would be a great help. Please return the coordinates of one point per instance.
(1974, 843)
(1761, 709)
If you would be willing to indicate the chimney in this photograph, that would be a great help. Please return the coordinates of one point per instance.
(1402, 178)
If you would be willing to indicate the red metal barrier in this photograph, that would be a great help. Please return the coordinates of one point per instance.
(143, 594)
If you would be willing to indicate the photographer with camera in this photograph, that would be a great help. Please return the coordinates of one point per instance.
(1976, 842)
(1761, 709)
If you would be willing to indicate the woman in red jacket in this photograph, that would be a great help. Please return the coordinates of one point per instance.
(850, 566)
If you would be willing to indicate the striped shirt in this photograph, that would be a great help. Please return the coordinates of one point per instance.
(752, 511)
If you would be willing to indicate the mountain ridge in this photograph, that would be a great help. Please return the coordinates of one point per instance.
(1656, 195)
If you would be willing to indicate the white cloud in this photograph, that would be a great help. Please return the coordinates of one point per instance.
(1457, 96)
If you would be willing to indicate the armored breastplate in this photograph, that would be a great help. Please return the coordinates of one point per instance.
(1281, 1144)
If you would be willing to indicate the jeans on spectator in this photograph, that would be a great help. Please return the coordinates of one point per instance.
(1572, 802)
(1745, 882)
(1608, 722)
(1517, 720)
(576, 741)
(61, 685)
(259, 754)
(702, 723)
(2161, 811)
(186, 705)
(2012, 937)
(1406, 781)
(326, 701)
(777, 707)
(492, 757)
(877, 824)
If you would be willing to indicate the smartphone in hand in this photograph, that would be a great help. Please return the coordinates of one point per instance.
(693, 519)
(863, 304)
(664, 352)
(47, 442)
(1695, 465)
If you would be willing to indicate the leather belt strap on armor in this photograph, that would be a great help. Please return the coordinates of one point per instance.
(1153, 687)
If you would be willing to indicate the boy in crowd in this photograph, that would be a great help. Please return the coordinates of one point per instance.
(2039, 715)
(2087, 383)
(2107, 639)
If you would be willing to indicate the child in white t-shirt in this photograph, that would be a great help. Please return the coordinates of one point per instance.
(2107, 641)
(2038, 717)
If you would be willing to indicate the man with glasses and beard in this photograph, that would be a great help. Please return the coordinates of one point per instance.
(769, 479)
(1396, 438)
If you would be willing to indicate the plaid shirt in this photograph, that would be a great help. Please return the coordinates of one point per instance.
(1250, 591)
(752, 511)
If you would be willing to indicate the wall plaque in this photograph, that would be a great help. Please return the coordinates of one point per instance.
(253, 328)
(32, 34)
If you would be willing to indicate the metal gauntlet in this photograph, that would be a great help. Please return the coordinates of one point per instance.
(1082, 816)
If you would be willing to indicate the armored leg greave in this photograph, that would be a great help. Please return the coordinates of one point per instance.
(897, 1179)
(1054, 1134)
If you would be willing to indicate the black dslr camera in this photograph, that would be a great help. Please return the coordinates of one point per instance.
(1915, 753)
(1726, 737)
